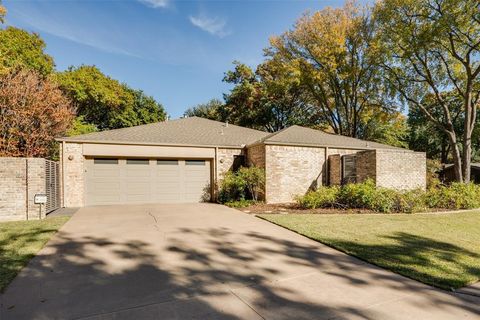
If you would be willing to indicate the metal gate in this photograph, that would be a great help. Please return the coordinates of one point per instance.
(52, 185)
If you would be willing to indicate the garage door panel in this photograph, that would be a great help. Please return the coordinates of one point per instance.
(147, 181)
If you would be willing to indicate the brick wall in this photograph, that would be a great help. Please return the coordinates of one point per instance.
(366, 165)
(225, 158)
(395, 169)
(256, 156)
(292, 171)
(73, 171)
(18, 183)
(403, 170)
(334, 170)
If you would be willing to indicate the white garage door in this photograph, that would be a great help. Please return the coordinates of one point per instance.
(118, 181)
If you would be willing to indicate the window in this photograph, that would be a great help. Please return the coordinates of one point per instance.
(349, 171)
(167, 162)
(195, 162)
(105, 161)
(138, 161)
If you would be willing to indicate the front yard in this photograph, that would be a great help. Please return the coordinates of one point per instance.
(20, 241)
(442, 250)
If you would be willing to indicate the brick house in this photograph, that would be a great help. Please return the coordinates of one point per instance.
(184, 160)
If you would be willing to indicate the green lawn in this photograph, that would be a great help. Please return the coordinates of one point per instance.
(439, 249)
(20, 241)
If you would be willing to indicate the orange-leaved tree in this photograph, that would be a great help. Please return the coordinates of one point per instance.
(33, 111)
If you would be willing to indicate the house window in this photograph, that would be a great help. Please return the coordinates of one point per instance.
(138, 161)
(195, 162)
(105, 161)
(167, 162)
(349, 171)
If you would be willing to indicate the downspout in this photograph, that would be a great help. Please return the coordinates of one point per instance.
(326, 166)
(215, 173)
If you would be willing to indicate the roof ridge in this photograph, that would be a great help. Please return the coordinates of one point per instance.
(224, 123)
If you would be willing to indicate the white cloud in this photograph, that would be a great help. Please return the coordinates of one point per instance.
(155, 3)
(215, 26)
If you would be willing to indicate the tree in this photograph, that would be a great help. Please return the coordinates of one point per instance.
(20, 49)
(391, 129)
(267, 99)
(209, 110)
(333, 54)
(3, 13)
(425, 136)
(432, 48)
(105, 102)
(80, 126)
(33, 111)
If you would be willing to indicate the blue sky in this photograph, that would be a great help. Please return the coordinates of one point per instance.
(176, 51)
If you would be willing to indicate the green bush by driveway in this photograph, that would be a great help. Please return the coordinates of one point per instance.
(368, 196)
(20, 241)
(442, 250)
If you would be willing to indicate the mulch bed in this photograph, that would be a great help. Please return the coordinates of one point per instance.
(292, 208)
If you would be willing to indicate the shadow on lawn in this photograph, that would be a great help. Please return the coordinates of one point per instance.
(176, 278)
(11, 258)
(410, 254)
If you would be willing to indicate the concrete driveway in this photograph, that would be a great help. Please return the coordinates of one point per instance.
(205, 261)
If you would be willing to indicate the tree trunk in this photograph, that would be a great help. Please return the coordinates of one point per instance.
(470, 115)
(457, 159)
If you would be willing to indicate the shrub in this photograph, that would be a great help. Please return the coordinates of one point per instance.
(254, 180)
(240, 203)
(410, 201)
(232, 188)
(455, 196)
(321, 198)
(243, 184)
(367, 196)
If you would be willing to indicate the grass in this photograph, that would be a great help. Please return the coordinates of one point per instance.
(20, 241)
(442, 250)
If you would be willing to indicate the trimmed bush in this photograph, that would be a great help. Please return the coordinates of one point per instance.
(323, 197)
(455, 196)
(240, 203)
(232, 188)
(245, 184)
(367, 196)
(411, 201)
(254, 180)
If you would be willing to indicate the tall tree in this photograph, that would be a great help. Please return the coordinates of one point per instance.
(432, 47)
(107, 103)
(3, 13)
(20, 49)
(209, 110)
(268, 99)
(33, 111)
(332, 52)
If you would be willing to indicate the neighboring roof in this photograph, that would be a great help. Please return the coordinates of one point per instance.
(192, 131)
(296, 135)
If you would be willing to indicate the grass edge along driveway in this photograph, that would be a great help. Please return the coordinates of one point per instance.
(20, 241)
(442, 250)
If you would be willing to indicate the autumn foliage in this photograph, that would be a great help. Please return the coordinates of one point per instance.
(33, 111)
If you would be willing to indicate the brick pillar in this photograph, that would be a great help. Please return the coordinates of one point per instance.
(334, 170)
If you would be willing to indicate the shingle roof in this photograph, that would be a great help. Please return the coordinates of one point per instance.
(192, 131)
(296, 135)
